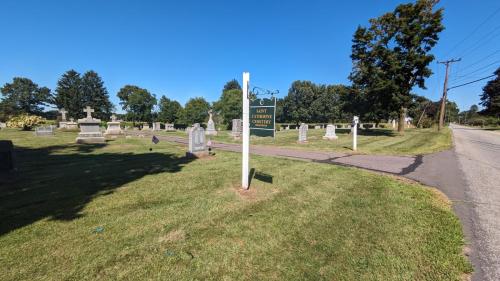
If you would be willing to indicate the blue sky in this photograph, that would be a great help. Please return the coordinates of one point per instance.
(184, 49)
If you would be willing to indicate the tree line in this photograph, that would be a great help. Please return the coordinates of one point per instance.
(390, 57)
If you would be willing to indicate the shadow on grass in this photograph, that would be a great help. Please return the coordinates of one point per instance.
(369, 132)
(57, 185)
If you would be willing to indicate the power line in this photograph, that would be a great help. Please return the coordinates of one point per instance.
(482, 59)
(458, 78)
(472, 82)
(480, 43)
(475, 30)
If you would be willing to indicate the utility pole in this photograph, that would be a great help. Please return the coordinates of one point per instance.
(445, 91)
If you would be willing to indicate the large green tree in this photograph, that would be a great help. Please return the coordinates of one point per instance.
(169, 110)
(95, 95)
(69, 94)
(391, 56)
(231, 85)
(196, 110)
(490, 97)
(74, 92)
(24, 96)
(137, 102)
(230, 105)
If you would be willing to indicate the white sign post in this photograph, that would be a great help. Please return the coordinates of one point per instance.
(246, 132)
(355, 133)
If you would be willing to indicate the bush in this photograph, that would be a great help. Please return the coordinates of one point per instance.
(26, 122)
(426, 122)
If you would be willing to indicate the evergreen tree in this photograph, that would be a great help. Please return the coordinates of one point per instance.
(24, 96)
(490, 97)
(232, 85)
(69, 94)
(95, 95)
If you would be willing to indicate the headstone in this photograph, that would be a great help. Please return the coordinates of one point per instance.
(287, 128)
(393, 123)
(169, 127)
(44, 131)
(156, 126)
(113, 127)
(197, 145)
(211, 125)
(63, 122)
(71, 124)
(317, 127)
(6, 155)
(145, 126)
(303, 133)
(330, 133)
(89, 129)
(3, 125)
(237, 128)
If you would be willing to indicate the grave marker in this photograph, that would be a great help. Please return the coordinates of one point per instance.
(330, 132)
(197, 145)
(89, 129)
(303, 133)
(211, 125)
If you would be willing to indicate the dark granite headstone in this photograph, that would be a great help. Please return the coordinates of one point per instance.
(6, 155)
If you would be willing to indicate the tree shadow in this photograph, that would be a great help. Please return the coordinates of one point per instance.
(55, 185)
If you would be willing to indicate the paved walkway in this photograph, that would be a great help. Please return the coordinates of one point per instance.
(468, 174)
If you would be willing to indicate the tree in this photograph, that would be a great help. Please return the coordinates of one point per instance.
(196, 110)
(230, 105)
(232, 85)
(24, 96)
(95, 95)
(490, 98)
(169, 110)
(69, 94)
(297, 103)
(74, 92)
(137, 102)
(391, 57)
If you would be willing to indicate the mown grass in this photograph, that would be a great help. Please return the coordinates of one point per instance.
(377, 141)
(120, 211)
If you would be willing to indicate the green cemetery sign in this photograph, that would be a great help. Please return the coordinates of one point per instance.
(262, 115)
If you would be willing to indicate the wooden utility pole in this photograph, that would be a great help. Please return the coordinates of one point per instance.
(445, 91)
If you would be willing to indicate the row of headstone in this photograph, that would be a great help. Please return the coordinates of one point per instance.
(330, 133)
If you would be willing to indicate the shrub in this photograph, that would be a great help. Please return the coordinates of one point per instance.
(26, 122)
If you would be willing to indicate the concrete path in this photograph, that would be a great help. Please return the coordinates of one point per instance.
(469, 174)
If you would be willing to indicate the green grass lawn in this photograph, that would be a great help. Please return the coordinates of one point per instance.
(378, 141)
(120, 211)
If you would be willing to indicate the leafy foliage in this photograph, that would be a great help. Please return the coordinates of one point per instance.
(230, 106)
(25, 121)
(308, 102)
(490, 97)
(196, 110)
(170, 110)
(391, 56)
(232, 85)
(23, 96)
(137, 102)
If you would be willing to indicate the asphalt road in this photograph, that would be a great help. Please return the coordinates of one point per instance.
(469, 174)
(478, 154)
